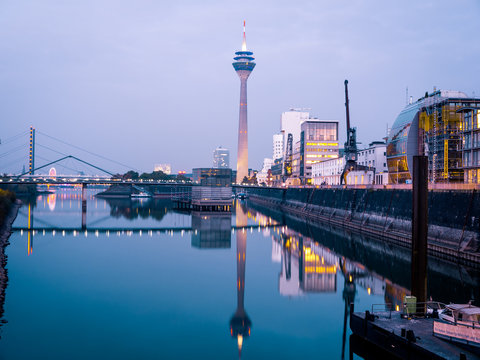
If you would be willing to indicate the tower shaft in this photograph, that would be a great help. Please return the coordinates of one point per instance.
(242, 153)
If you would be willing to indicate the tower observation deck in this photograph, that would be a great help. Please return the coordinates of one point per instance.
(243, 65)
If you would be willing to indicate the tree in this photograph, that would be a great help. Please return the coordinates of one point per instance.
(130, 175)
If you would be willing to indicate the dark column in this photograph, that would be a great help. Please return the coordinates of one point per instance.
(419, 227)
(84, 206)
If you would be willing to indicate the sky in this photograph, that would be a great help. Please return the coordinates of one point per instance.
(146, 82)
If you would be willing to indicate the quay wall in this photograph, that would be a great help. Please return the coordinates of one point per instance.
(454, 216)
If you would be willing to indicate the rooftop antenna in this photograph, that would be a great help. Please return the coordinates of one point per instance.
(244, 42)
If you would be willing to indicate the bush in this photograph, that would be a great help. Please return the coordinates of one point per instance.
(7, 198)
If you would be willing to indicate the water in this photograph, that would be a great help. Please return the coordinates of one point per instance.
(144, 281)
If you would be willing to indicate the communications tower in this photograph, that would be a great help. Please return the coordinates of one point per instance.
(243, 65)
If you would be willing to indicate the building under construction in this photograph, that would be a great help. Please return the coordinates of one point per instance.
(431, 126)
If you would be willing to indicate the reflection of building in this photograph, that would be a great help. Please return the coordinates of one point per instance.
(212, 177)
(306, 267)
(165, 168)
(221, 158)
(240, 323)
(431, 126)
(276, 252)
(211, 230)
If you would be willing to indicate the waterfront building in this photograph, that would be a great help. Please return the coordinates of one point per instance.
(290, 122)
(277, 172)
(212, 176)
(165, 168)
(373, 158)
(277, 146)
(431, 126)
(243, 65)
(318, 142)
(471, 143)
(221, 158)
(263, 175)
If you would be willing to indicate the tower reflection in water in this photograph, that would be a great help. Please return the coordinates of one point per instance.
(240, 324)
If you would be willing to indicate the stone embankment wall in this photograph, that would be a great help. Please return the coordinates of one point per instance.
(454, 216)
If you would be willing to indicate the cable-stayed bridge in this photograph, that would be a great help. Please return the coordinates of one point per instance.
(33, 152)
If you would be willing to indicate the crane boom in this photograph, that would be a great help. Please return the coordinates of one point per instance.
(347, 108)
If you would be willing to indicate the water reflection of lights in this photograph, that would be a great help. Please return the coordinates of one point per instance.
(51, 201)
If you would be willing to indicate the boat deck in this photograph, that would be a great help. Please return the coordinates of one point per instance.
(385, 331)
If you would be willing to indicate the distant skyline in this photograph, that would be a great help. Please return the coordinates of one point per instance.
(151, 82)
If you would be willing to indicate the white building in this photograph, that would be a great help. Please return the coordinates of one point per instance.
(290, 123)
(262, 175)
(328, 172)
(221, 158)
(374, 158)
(277, 146)
(165, 168)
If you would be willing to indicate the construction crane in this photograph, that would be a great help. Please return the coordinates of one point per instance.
(289, 156)
(350, 145)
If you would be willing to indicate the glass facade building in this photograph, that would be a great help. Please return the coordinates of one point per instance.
(318, 142)
(431, 126)
(471, 143)
(221, 158)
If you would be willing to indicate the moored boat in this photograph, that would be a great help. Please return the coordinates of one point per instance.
(459, 323)
(141, 194)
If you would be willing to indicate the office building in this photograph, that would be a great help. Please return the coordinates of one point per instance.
(318, 142)
(290, 123)
(221, 158)
(470, 129)
(277, 146)
(212, 176)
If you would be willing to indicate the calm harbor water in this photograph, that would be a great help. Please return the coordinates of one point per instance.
(144, 281)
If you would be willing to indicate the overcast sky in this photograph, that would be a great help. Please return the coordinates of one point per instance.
(146, 82)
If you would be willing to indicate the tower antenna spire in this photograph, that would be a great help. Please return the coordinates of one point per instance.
(244, 42)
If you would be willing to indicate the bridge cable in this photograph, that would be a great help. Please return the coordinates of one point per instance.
(20, 147)
(87, 151)
(62, 165)
(14, 137)
(68, 157)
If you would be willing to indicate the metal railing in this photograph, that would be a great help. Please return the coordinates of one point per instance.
(384, 308)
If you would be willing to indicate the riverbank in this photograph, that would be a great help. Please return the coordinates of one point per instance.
(9, 206)
(454, 216)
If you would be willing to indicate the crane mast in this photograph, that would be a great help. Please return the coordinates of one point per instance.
(351, 143)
